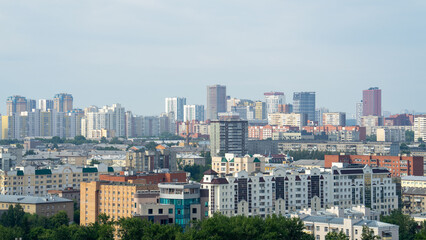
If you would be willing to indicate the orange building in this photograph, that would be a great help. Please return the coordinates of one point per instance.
(397, 165)
(153, 178)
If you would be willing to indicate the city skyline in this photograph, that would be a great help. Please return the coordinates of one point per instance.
(116, 49)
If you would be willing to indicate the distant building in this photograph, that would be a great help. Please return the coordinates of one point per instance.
(413, 200)
(287, 119)
(150, 160)
(399, 120)
(273, 100)
(193, 112)
(16, 104)
(358, 113)
(390, 135)
(304, 102)
(176, 105)
(232, 163)
(45, 105)
(420, 128)
(285, 108)
(335, 118)
(371, 121)
(372, 102)
(216, 101)
(63, 102)
(228, 136)
(260, 111)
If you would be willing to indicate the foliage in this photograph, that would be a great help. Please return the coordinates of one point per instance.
(197, 171)
(297, 155)
(419, 139)
(115, 140)
(29, 152)
(107, 148)
(368, 234)
(170, 136)
(371, 138)
(422, 232)
(9, 141)
(103, 140)
(336, 236)
(404, 148)
(407, 225)
(207, 156)
(409, 136)
(93, 162)
(151, 146)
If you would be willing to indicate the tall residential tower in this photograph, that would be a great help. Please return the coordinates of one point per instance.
(216, 101)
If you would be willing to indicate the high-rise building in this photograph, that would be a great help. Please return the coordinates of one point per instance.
(193, 112)
(216, 101)
(273, 100)
(260, 110)
(287, 119)
(62, 102)
(16, 104)
(358, 113)
(45, 104)
(319, 115)
(372, 102)
(175, 105)
(228, 136)
(420, 128)
(304, 102)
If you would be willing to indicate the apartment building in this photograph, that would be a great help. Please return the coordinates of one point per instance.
(413, 200)
(266, 132)
(397, 165)
(29, 180)
(233, 163)
(290, 119)
(150, 160)
(335, 119)
(282, 192)
(413, 181)
(43, 206)
(420, 128)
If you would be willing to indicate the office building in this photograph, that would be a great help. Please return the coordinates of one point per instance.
(16, 104)
(175, 105)
(397, 165)
(335, 119)
(45, 206)
(63, 102)
(228, 136)
(45, 105)
(216, 101)
(372, 102)
(273, 100)
(193, 112)
(304, 102)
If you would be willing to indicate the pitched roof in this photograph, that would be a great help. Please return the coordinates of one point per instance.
(210, 172)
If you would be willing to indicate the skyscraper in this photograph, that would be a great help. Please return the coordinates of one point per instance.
(62, 102)
(193, 112)
(304, 102)
(216, 101)
(45, 104)
(372, 102)
(175, 105)
(273, 100)
(358, 113)
(228, 135)
(16, 104)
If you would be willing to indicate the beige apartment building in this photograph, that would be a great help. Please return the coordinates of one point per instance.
(43, 206)
(233, 163)
(413, 181)
(29, 180)
(289, 119)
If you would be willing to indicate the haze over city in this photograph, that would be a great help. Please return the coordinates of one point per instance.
(138, 52)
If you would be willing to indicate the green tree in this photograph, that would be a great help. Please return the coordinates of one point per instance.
(409, 136)
(371, 138)
(104, 140)
(13, 217)
(421, 235)
(59, 219)
(336, 236)
(419, 139)
(368, 234)
(151, 146)
(407, 225)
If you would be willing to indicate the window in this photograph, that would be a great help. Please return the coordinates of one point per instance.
(194, 210)
(170, 210)
(160, 211)
(149, 211)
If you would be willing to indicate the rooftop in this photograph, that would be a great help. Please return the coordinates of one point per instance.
(31, 199)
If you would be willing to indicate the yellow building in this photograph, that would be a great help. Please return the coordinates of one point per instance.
(31, 181)
(413, 181)
(115, 199)
(43, 206)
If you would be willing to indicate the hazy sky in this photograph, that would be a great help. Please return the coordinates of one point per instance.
(137, 52)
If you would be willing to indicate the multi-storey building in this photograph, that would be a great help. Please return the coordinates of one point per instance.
(413, 200)
(175, 105)
(397, 165)
(335, 119)
(260, 112)
(29, 180)
(148, 161)
(46, 206)
(273, 100)
(390, 135)
(267, 132)
(281, 192)
(228, 136)
(304, 102)
(233, 163)
(319, 118)
(9, 157)
(289, 119)
(16, 104)
(63, 102)
(399, 120)
(216, 101)
(371, 121)
(413, 181)
(193, 112)
(358, 113)
(45, 104)
(285, 108)
(372, 102)
(111, 119)
(420, 128)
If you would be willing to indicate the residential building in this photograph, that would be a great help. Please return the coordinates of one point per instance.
(193, 112)
(289, 119)
(397, 165)
(285, 108)
(29, 180)
(319, 112)
(9, 157)
(233, 163)
(45, 105)
(267, 131)
(390, 135)
(144, 178)
(335, 119)
(16, 104)
(304, 102)
(358, 113)
(67, 193)
(371, 121)
(188, 159)
(420, 128)
(175, 105)
(399, 120)
(260, 111)
(46, 206)
(216, 101)
(228, 136)
(372, 102)
(273, 100)
(63, 102)
(413, 181)
(283, 191)
(413, 200)
(150, 160)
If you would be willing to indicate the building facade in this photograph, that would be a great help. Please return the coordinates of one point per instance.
(273, 100)
(304, 102)
(335, 119)
(372, 102)
(216, 101)
(228, 136)
(63, 102)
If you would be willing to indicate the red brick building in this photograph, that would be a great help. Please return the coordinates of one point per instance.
(397, 165)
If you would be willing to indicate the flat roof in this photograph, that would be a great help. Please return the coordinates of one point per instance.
(413, 178)
(31, 199)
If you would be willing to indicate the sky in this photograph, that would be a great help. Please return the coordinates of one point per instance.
(138, 52)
